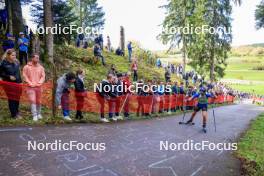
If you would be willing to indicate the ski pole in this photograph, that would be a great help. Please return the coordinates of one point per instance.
(122, 107)
(214, 116)
(184, 111)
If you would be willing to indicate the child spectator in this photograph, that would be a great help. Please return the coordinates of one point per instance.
(80, 92)
(62, 93)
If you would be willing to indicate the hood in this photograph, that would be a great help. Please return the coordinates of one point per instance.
(31, 64)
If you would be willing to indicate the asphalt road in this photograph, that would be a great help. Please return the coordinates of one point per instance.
(132, 148)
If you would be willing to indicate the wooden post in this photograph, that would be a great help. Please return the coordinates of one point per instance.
(122, 38)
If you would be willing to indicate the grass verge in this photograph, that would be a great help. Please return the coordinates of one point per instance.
(251, 149)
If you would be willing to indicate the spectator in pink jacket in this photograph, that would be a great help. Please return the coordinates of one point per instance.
(34, 76)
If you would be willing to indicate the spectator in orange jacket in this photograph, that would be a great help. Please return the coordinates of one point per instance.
(34, 76)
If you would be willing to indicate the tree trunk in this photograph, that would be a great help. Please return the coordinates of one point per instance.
(48, 22)
(212, 59)
(184, 39)
(212, 67)
(17, 17)
(122, 38)
(184, 54)
(9, 10)
(81, 14)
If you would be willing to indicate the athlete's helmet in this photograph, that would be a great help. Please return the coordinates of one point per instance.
(202, 90)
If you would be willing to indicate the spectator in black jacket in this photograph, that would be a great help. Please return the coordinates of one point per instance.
(80, 92)
(167, 75)
(9, 43)
(119, 52)
(106, 96)
(10, 72)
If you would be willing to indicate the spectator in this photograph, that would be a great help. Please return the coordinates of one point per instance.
(34, 76)
(129, 48)
(10, 72)
(167, 75)
(85, 46)
(106, 97)
(175, 89)
(101, 41)
(167, 98)
(117, 101)
(108, 44)
(98, 53)
(161, 91)
(127, 84)
(134, 68)
(158, 63)
(23, 48)
(112, 70)
(78, 42)
(80, 92)
(3, 19)
(9, 43)
(119, 52)
(97, 39)
(62, 93)
(140, 98)
(81, 38)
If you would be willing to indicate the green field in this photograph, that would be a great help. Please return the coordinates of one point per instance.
(241, 68)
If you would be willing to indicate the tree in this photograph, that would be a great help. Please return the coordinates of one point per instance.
(259, 15)
(62, 14)
(178, 13)
(15, 16)
(207, 51)
(89, 12)
(48, 22)
(237, 2)
(210, 49)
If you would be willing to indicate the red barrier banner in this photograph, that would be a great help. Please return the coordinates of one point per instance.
(94, 102)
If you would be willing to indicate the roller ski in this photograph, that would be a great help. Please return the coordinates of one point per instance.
(204, 129)
(187, 123)
(202, 105)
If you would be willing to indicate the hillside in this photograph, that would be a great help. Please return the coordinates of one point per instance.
(69, 58)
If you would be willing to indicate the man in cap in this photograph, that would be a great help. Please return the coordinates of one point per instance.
(23, 43)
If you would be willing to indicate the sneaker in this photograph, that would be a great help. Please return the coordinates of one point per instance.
(19, 117)
(35, 118)
(119, 118)
(67, 118)
(104, 120)
(169, 112)
(40, 116)
(114, 119)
